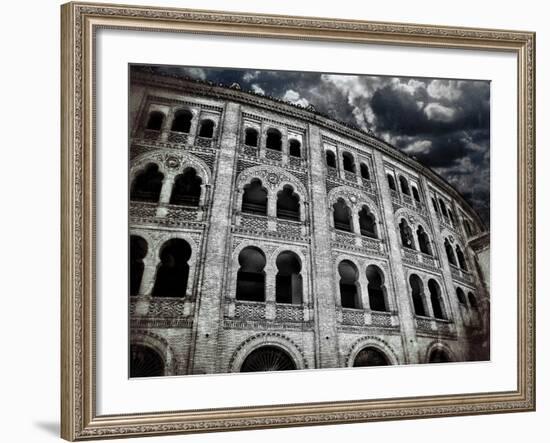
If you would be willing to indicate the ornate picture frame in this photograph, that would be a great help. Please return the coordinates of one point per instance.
(80, 22)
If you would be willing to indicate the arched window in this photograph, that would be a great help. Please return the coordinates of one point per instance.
(404, 185)
(452, 216)
(255, 198)
(182, 121)
(367, 222)
(449, 251)
(349, 286)
(461, 297)
(330, 159)
(443, 208)
(472, 300)
(187, 189)
(268, 358)
(439, 356)
(147, 184)
(288, 281)
(274, 139)
(145, 362)
(370, 357)
(405, 230)
(365, 171)
(207, 129)
(155, 120)
(251, 275)
(391, 182)
(294, 147)
(467, 227)
(377, 297)
(417, 291)
(423, 241)
(461, 258)
(251, 137)
(138, 251)
(434, 204)
(349, 163)
(416, 195)
(436, 299)
(288, 204)
(173, 271)
(342, 216)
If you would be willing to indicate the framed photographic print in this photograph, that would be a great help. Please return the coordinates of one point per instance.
(283, 221)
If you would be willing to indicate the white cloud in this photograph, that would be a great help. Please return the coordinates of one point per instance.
(251, 75)
(447, 89)
(256, 88)
(294, 97)
(195, 73)
(419, 147)
(438, 112)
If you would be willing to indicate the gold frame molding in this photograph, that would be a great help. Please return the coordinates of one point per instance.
(79, 21)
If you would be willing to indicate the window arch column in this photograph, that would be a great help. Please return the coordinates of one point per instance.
(165, 193)
(166, 124)
(365, 302)
(355, 226)
(270, 296)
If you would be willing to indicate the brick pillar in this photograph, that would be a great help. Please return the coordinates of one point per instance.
(397, 272)
(208, 315)
(323, 296)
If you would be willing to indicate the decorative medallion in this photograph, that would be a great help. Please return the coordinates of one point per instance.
(172, 162)
(273, 178)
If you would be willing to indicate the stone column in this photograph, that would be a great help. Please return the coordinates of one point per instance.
(446, 270)
(270, 276)
(397, 271)
(208, 315)
(323, 295)
(165, 194)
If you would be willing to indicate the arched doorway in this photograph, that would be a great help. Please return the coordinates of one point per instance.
(268, 358)
(439, 356)
(370, 357)
(145, 362)
(173, 272)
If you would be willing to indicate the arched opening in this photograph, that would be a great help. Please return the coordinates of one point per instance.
(254, 198)
(288, 204)
(423, 241)
(182, 121)
(416, 195)
(377, 296)
(342, 216)
(187, 189)
(461, 297)
(434, 204)
(365, 171)
(173, 271)
(367, 222)
(251, 137)
(155, 120)
(349, 163)
(405, 231)
(330, 159)
(288, 282)
(268, 358)
(274, 139)
(439, 356)
(147, 184)
(138, 251)
(443, 208)
(451, 216)
(145, 362)
(370, 356)
(207, 129)
(391, 182)
(461, 259)
(472, 300)
(449, 251)
(417, 291)
(251, 275)
(404, 185)
(294, 148)
(468, 228)
(349, 286)
(436, 299)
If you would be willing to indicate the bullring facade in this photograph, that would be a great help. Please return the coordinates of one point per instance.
(266, 236)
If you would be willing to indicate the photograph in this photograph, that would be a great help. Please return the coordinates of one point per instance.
(289, 220)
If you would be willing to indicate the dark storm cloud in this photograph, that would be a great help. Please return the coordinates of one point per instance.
(444, 124)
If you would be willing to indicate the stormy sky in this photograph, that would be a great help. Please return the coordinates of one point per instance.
(443, 123)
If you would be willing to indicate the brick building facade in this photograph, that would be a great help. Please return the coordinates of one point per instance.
(267, 236)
